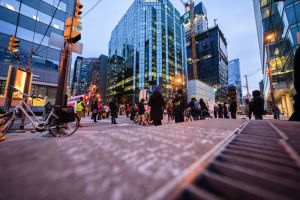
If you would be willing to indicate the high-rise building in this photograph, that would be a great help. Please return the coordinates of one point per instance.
(200, 21)
(146, 48)
(277, 25)
(212, 61)
(29, 21)
(234, 75)
(80, 83)
(97, 75)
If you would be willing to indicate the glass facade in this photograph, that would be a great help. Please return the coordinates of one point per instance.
(234, 75)
(146, 46)
(213, 61)
(280, 22)
(80, 83)
(201, 21)
(29, 19)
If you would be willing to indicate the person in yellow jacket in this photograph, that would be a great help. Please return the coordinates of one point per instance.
(79, 109)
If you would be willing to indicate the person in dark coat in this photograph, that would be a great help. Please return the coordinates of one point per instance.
(257, 105)
(157, 103)
(204, 110)
(195, 108)
(179, 105)
(141, 112)
(216, 110)
(296, 115)
(276, 112)
(233, 109)
(94, 109)
(220, 112)
(113, 107)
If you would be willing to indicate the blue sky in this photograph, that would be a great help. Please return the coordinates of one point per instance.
(235, 18)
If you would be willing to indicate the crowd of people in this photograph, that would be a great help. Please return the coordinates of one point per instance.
(177, 109)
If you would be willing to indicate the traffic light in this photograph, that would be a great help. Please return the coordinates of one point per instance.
(13, 44)
(78, 10)
(73, 25)
(70, 33)
(94, 88)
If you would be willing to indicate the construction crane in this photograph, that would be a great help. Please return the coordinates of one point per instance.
(189, 7)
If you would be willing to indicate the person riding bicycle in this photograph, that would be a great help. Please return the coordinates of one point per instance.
(79, 109)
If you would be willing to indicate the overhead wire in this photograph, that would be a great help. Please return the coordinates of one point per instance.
(92, 8)
(49, 25)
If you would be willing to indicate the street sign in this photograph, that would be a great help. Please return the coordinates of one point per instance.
(78, 27)
(57, 40)
(76, 47)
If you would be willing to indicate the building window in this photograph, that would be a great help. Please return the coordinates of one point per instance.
(39, 37)
(24, 34)
(7, 28)
(10, 4)
(58, 24)
(44, 18)
(62, 6)
(29, 12)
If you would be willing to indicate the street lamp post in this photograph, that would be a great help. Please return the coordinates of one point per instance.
(269, 72)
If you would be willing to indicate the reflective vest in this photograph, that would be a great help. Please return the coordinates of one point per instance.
(79, 106)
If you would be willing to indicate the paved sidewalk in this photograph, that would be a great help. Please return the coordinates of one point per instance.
(114, 162)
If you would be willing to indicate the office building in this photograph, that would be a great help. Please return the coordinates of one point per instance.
(81, 73)
(200, 21)
(146, 49)
(212, 61)
(97, 75)
(277, 26)
(234, 76)
(29, 21)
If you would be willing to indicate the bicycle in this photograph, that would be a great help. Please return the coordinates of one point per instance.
(147, 118)
(58, 121)
(187, 114)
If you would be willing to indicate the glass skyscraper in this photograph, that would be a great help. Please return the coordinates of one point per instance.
(280, 22)
(234, 75)
(29, 20)
(201, 21)
(146, 48)
(213, 61)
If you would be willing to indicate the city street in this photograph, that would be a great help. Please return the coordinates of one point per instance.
(213, 88)
(122, 161)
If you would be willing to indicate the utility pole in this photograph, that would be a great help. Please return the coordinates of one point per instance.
(189, 6)
(71, 35)
(247, 86)
(13, 46)
(193, 39)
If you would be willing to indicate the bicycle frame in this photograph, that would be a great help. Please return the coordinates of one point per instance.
(34, 120)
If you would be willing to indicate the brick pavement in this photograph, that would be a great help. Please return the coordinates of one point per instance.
(115, 162)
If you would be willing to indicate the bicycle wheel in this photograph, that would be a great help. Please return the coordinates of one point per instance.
(136, 118)
(149, 120)
(6, 122)
(64, 129)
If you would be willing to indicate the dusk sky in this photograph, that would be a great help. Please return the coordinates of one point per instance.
(235, 18)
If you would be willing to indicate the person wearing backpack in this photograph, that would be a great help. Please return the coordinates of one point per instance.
(179, 105)
(194, 105)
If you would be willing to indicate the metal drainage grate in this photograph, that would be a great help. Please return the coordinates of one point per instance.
(259, 163)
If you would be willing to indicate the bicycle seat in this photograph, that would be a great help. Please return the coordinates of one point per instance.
(36, 97)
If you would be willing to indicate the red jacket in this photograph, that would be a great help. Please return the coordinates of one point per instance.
(100, 107)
